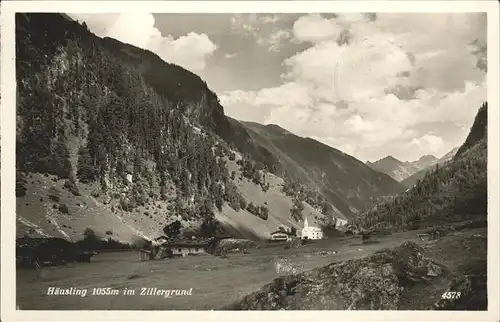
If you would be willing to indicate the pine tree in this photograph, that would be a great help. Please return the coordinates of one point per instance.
(86, 171)
(61, 165)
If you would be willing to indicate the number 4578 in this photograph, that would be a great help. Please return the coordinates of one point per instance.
(451, 295)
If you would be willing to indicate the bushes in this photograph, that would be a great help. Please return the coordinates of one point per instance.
(127, 205)
(243, 203)
(233, 196)
(264, 212)
(91, 241)
(209, 227)
(251, 170)
(70, 185)
(63, 208)
(296, 211)
(173, 229)
(54, 194)
(260, 211)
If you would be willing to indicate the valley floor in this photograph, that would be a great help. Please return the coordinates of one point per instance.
(215, 281)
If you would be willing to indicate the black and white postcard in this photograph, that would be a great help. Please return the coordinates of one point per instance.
(268, 156)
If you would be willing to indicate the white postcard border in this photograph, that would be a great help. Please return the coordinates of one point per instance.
(8, 131)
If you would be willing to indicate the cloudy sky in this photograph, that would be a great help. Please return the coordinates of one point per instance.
(370, 85)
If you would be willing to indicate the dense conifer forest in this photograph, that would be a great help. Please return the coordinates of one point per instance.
(96, 112)
(452, 192)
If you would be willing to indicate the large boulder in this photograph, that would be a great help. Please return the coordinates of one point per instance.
(372, 283)
(411, 264)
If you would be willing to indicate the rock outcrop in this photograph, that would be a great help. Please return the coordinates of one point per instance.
(377, 282)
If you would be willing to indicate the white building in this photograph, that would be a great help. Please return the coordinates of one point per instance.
(311, 232)
(280, 236)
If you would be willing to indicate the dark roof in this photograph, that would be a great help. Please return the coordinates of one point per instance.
(187, 243)
(281, 231)
(184, 244)
(221, 236)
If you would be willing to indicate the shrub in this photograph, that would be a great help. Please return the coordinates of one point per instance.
(259, 211)
(20, 189)
(54, 194)
(70, 185)
(243, 203)
(127, 205)
(173, 229)
(63, 208)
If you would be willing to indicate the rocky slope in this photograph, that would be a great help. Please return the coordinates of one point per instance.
(409, 277)
(399, 170)
(111, 137)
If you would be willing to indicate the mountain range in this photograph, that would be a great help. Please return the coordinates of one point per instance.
(403, 171)
(453, 191)
(411, 180)
(112, 138)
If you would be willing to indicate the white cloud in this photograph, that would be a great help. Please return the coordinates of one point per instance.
(189, 51)
(314, 28)
(271, 19)
(428, 143)
(245, 23)
(229, 56)
(261, 27)
(370, 95)
(357, 123)
(275, 39)
(290, 94)
(441, 44)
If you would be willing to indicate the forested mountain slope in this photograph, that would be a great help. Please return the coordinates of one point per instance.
(411, 180)
(477, 133)
(454, 191)
(346, 181)
(111, 137)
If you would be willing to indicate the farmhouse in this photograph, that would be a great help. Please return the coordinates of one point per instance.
(311, 232)
(162, 247)
(187, 247)
(280, 235)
